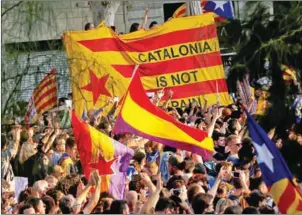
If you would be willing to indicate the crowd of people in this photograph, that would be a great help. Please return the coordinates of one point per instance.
(160, 179)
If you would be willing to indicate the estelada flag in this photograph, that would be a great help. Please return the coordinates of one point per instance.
(44, 98)
(222, 9)
(275, 172)
(140, 117)
(99, 152)
(181, 54)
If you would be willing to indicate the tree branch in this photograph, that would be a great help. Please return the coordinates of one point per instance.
(12, 7)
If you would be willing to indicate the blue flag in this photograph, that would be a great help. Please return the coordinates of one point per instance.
(275, 172)
(223, 9)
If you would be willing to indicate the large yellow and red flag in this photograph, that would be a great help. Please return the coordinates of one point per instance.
(44, 98)
(182, 55)
(137, 109)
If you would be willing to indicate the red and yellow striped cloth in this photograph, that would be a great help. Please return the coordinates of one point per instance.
(289, 74)
(182, 11)
(181, 54)
(140, 117)
(44, 97)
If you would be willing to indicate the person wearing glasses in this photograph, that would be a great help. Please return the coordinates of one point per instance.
(233, 145)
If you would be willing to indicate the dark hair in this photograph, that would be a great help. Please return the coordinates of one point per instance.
(192, 191)
(255, 183)
(66, 205)
(134, 27)
(250, 210)
(118, 206)
(54, 193)
(169, 149)
(138, 157)
(70, 143)
(87, 26)
(266, 210)
(49, 204)
(24, 207)
(113, 28)
(237, 183)
(235, 209)
(201, 202)
(163, 204)
(34, 202)
(216, 135)
(176, 181)
(152, 24)
(24, 195)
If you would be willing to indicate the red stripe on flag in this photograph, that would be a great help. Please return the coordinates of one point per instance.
(44, 84)
(172, 66)
(181, 13)
(156, 42)
(287, 198)
(196, 89)
(138, 95)
(39, 97)
(53, 101)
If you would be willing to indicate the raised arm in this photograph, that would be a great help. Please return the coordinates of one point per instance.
(145, 20)
(93, 201)
(153, 198)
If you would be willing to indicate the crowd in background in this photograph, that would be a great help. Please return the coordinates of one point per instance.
(160, 179)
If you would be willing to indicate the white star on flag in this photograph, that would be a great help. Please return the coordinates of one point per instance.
(264, 156)
(219, 4)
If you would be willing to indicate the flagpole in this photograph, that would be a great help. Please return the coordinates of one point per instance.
(217, 93)
(134, 71)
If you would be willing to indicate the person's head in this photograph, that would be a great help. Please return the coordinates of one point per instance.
(176, 181)
(222, 204)
(57, 171)
(250, 210)
(153, 24)
(134, 27)
(50, 204)
(201, 203)
(60, 146)
(235, 209)
(25, 194)
(176, 164)
(266, 210)
(234, 144)
(149, 146)
(27, 209)
(139, 160)
(199, 179)
(189, 166)
(164, 206)
(52, 181)
(89, 26)
(71, 148)
(258, 184)
(256, 199)
(40, 187)
(219, 139)
(193, 190)
(37, 204)
(226, 167)
(66, 204)
(222, 190)
(237, 183)
(152, 168)
(57, 195)
(119, 207)
(131, 199)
